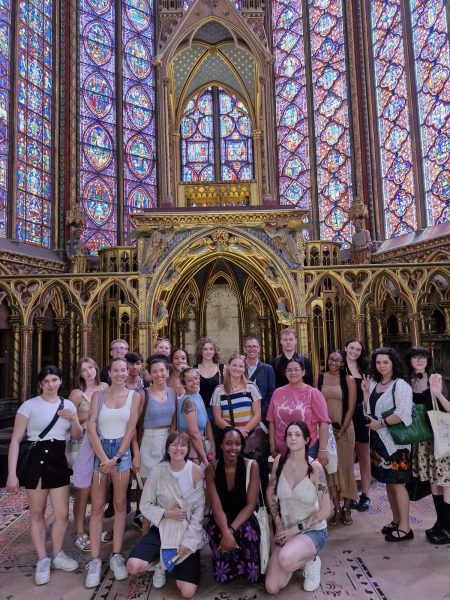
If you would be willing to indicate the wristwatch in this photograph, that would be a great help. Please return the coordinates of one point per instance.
(118, 459)
(300, 526)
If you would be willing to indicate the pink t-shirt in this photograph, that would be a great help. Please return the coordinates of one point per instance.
(289, 404)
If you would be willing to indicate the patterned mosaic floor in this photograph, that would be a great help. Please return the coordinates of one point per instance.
(357, 564)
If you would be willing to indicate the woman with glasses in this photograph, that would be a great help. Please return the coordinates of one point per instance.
(339, 391)
(232, 485)
(298, 401)
(193, 419)
(173, 499)
(424, 466)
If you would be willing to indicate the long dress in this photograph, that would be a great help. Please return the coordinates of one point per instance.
(245, 560)
(424, 465)
(343, 483)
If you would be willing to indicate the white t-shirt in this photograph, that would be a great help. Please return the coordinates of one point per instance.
(39, 413)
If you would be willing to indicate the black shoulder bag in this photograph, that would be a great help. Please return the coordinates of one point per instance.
(26, 446)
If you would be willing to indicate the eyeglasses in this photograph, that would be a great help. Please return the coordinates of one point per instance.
(335, 360)
(293, 370)
(178, 445)
(118, 348)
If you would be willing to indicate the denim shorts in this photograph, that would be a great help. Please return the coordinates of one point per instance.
(318, 536)
(111, 448)
(313, 450)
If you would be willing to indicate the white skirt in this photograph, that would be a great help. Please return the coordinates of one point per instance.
(153, 446)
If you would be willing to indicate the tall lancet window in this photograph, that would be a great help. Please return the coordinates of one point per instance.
(216, 138)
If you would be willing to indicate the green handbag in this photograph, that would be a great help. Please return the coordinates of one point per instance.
(419, 430)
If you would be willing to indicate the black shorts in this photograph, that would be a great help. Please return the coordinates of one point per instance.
(148, 549)
(47, 463)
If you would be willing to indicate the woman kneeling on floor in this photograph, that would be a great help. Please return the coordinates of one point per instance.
(173, 500)
(298, 499)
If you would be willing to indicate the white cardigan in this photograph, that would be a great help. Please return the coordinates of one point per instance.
(403, 409)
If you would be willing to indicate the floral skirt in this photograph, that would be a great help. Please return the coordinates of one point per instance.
(243, 561)
(394, 468)
(426, 467)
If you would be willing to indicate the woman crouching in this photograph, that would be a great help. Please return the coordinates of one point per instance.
(298, 499)
(173, 500)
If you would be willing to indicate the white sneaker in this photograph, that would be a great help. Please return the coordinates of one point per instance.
(94, 573)
(83, 543)
(311, 573)
(106, 536)
(159, 577)
(117, 566)
(42, 574)
(64, 562)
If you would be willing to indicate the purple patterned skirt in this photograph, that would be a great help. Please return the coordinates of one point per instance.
(243, 561)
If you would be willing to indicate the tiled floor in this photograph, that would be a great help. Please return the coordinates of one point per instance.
(356, 564)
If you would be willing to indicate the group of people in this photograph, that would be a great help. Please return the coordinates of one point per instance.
(201, 439)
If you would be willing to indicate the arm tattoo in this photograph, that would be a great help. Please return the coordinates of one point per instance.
(273, 507)
(188, 406)
(322, 486)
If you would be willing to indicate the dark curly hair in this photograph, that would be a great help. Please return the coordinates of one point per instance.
(283, 458)
(397, 366)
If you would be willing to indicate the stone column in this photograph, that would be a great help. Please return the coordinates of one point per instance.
(61, 324)
(39, 324)
(257, 164)
(378, 313)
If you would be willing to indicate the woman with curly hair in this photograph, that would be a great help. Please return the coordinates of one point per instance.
(424, 466)
(390, 462)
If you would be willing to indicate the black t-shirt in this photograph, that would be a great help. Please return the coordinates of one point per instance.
(280, 363)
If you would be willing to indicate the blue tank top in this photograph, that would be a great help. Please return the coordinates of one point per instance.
(160, 414)
(202, 417)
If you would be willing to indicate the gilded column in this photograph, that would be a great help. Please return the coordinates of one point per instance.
(302, 319)
(413, 319)
(86, 332)
(15, 359)
(358, 322)
(257, 174)
(61, 324)
(27, 334)
(369, 335)
(378, 313)
(39, 324)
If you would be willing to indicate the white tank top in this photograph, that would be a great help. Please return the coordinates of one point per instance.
(184, 477)
(299, 502)
(112, 422)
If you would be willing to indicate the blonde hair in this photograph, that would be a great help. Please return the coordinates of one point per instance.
(288, 331)
(227, 376)
(80, 378)
(119, 341)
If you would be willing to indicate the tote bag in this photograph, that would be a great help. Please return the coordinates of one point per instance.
(83, 467)
(263, 521)
(440, 424)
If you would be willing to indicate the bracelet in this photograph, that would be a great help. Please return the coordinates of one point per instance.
(322, 450)
(232, 529)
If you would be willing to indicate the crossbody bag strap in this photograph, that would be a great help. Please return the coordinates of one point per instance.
(230, 408)
(101, 399)
(53, 421)
(393, 393)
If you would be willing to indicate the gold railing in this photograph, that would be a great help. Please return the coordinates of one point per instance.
(242, 193)
(322, 253)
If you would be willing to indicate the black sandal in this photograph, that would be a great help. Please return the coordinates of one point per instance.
(395, 536)
(387, 529)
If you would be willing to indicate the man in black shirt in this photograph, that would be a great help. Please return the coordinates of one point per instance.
(288, 340)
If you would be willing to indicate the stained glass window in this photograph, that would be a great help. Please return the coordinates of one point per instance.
(393, 117)
(197, 138)
(331, 119)
(236, 151)
(432, 62)
(215, 110)
(97, 123)
(34, 122)
(139, 107)
(291, 103)
(5, 49)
